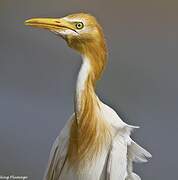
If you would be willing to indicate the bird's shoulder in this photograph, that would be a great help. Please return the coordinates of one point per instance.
(64, 133)
(111, 116)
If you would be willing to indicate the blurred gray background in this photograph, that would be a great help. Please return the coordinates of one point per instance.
(38, 73)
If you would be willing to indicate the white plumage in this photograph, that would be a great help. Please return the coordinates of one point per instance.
(95, 143)
(115, 161)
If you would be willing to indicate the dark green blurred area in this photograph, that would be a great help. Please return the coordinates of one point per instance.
(38, 73)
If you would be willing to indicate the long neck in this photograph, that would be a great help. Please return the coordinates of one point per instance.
(84, 84)
(89, 132)
(94, 57)
(82, 81)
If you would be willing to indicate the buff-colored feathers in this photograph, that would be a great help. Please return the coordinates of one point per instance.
(89, 132)
(94, 144)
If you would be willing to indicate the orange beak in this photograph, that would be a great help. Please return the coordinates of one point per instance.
(50, 23)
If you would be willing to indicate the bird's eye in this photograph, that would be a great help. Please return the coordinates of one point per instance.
(79, 25)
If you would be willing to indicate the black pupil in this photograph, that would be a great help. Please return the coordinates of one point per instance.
(79, 25)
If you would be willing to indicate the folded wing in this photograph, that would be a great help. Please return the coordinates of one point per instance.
(57, 157)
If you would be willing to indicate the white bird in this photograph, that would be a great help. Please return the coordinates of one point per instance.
(95, 143)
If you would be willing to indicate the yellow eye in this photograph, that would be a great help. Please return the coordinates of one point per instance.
(79, 25)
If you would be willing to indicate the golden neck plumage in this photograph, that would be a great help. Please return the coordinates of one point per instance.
(89, 132)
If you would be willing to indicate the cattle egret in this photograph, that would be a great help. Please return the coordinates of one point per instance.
(95, 143)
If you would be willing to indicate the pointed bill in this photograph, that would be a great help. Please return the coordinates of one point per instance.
(49, 23)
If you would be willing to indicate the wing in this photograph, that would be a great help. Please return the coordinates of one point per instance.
(123, 151)
(122, 154)
(117, 160)
(58, 153)
(135, 153)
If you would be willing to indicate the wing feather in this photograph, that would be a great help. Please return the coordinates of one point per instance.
(123, 146)
(58, 153)
(137, 154)
(117, 161)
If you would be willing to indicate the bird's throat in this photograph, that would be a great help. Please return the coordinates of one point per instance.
(89, 131)
(83, 83)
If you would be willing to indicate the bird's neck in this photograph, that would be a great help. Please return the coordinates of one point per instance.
(94, 57)
(89, 132)
(84, 84)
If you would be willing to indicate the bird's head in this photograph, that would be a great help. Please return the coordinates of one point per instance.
(80, 30)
